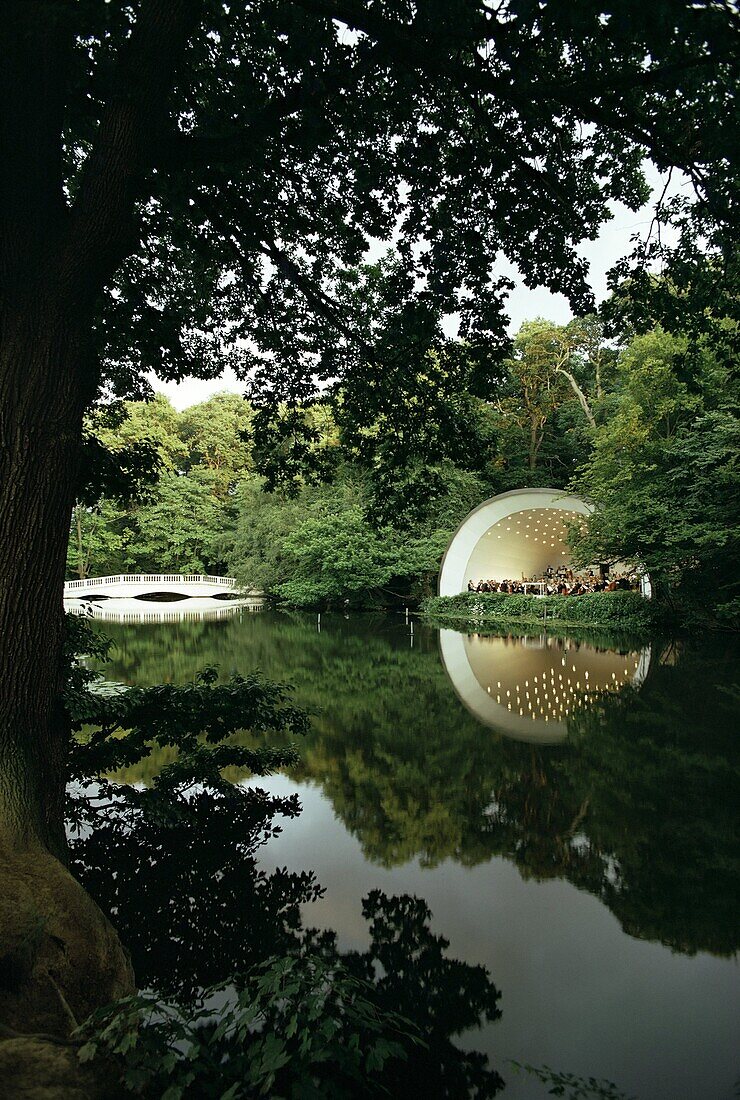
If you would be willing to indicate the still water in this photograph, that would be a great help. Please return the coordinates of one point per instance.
(581, 846)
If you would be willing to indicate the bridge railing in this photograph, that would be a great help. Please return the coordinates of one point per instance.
(150, 578)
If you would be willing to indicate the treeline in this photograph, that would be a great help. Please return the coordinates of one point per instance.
(206, 510)
(175, 516)
(648, 430)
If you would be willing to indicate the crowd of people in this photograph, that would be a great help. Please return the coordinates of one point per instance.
(564, 582)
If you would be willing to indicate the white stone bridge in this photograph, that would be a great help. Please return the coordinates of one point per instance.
(152, 584)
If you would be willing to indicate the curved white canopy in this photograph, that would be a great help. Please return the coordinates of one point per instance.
(512, 535)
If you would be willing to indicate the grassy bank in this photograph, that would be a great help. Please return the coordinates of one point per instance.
(626, 611)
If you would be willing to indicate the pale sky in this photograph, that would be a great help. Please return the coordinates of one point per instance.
(523, 303)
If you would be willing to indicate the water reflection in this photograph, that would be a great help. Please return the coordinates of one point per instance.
(527, 687)
(544, 861)
(213, 912)
(198, 609)
(637, 805)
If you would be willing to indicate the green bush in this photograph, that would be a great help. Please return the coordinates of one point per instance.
(617, 609)
(290, 1027)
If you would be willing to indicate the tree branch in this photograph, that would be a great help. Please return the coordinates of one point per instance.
(545, 96)
(316, 297)
(102, 218)
(579, 394)
(183, 151)
(320, 301)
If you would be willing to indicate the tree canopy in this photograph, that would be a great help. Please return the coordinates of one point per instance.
(207, 171)
(664, 472)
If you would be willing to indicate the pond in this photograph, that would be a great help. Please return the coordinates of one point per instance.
(567, 809)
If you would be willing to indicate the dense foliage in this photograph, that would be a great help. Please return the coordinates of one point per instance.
(322, 545)
(664, 472)
(647, 430)
(173, 520)
(208, 512)
(277, 143)
(296, 1027)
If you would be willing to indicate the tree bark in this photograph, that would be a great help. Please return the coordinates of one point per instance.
(43, 391)
(55, 260)
(61, 957)
(535, 439)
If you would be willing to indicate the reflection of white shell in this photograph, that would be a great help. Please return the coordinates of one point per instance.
(544, 677)
(512, 536)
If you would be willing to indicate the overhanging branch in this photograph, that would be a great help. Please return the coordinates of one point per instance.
(183, 151)
(102, 217)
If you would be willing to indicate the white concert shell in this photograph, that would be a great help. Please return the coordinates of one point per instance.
(486, 547)
(515, 535)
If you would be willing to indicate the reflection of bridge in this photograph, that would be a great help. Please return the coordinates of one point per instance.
(150, 611)
(151, 584)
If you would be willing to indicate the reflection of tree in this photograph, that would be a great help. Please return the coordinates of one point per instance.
(195, 908)
(635, 808)
(442, 996)
(189, 898)
(661, 768)
(638, 808)
(400, 793)
(534, 817)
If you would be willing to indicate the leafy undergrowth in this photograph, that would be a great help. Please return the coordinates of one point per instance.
(618, 610)
(292, 1026)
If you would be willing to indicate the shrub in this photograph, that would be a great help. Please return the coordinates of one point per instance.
(625, 610)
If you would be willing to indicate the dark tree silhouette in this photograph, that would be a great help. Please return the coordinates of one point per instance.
(178, 174)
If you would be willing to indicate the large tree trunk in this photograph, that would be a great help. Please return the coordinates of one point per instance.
(534, 441)
(42, 396)
(39, 423)
(60, 958)
(55, 260)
